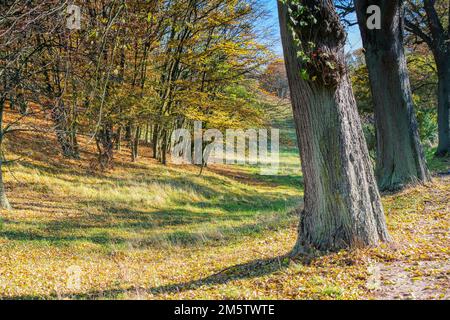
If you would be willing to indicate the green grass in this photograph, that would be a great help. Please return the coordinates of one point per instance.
(141, 224)
(149, 215)
(435, 164)
(156, 204)
(147, 231)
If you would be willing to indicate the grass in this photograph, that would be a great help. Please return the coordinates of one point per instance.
(144, 231)
(437, 165)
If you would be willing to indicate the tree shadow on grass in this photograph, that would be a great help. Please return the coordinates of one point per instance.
(99, 238)
(253, 269)
(102, 232)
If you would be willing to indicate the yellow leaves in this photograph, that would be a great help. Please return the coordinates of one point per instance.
(143, 228)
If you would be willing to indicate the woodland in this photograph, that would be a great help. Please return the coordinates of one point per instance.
(92, 207)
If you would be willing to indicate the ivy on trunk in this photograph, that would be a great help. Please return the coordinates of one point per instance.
(342, 205)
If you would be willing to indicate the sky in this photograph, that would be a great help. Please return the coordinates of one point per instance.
(353, 39)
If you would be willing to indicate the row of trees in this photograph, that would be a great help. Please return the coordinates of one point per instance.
(424, 84)
(139, 69)
(134, 70)
(428, 22)
(425, 23)
(342, 203)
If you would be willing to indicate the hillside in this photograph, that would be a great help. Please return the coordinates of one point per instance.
(147, 231)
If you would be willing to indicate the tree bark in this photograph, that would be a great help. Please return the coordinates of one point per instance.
(437, 37)
(443, 66)
(342, 205)
(400, 158)
(22, 104)
(135, 144)
(67, 142)
(128, 133)
(155, 141)
(105, 146)
(4, 203)
(119, 139)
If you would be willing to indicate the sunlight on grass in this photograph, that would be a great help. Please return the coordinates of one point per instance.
(144, 231)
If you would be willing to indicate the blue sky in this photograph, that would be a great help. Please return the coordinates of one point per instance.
(353, 41)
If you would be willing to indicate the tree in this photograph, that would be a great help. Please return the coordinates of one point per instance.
(342, 204)
(423, 77)
(58, 75)
(274, 79)
(209, 46)
(4, 203)
(429, 21)
(424, 85)
(400, 159)
(20, 23)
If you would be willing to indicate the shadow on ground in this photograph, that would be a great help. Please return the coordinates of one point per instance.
(252, 269)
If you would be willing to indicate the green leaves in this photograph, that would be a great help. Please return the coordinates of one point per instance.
(304, 74)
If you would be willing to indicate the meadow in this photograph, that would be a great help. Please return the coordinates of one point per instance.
(147, 231)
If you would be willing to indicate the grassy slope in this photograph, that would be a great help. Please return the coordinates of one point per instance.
(148, 231)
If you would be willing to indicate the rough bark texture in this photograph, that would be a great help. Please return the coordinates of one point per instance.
(437, 37)
(439, 42)
(443, 66)
(342, 204)
(400, 158)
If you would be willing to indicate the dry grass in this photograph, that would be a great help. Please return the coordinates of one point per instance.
(144, 231)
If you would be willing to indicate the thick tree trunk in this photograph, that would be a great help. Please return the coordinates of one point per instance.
(342, 204)
(400, 158)
(443, 66)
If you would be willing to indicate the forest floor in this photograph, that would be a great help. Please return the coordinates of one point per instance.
(145, 231)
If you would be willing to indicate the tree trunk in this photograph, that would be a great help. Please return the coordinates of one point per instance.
(105, 146)
(400, 158)
(119, 139)
(155, 141)
(60, 119)
(443, 66)
(162, 145)
(12, 102)
(135, 144)
(128, 133)
(4, 203)
(146, 135)
(22, 104)
(342, 204)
